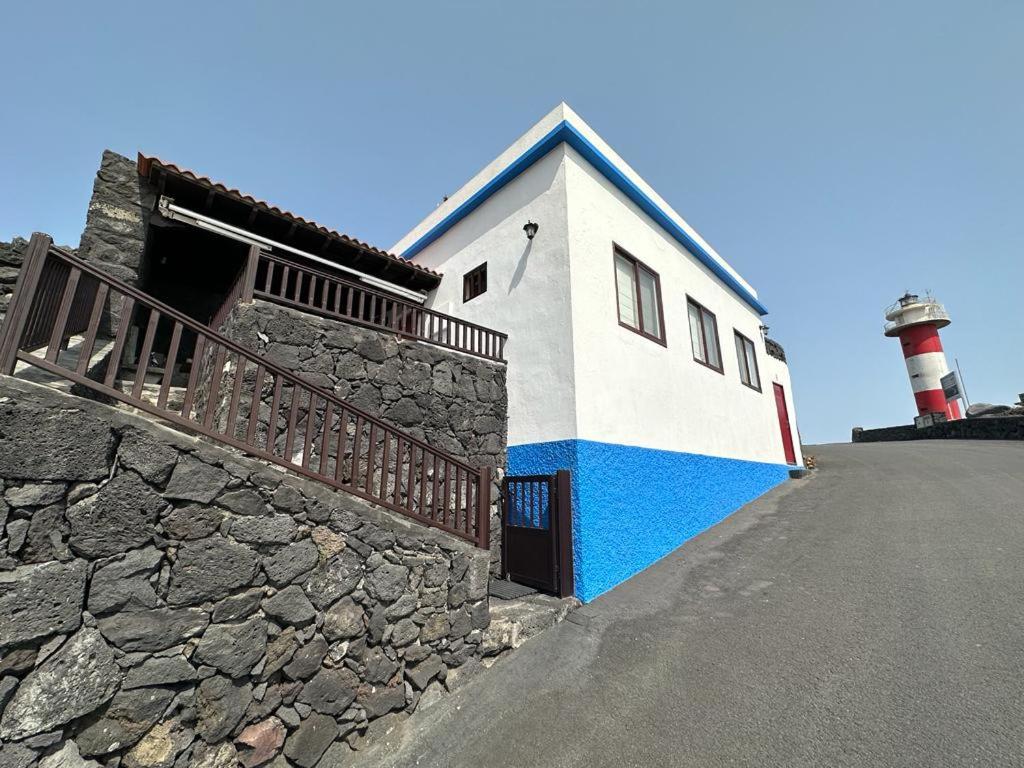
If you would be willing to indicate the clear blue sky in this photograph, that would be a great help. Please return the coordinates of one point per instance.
(835, 153)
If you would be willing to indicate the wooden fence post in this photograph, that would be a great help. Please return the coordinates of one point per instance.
(249, 279)
(21, 300)
(563, 499)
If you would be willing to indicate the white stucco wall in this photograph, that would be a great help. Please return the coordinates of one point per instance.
(573, 371)
(527, 294)
(634, 391)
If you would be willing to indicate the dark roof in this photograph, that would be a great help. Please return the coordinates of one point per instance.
(150, 167)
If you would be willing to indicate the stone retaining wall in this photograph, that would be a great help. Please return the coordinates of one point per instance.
(114, 237)
(165, 602)
(454, 402)
(987, 428)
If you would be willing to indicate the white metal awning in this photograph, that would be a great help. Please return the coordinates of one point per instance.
(170, 210)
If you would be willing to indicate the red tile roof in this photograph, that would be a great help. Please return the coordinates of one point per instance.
(146, 163)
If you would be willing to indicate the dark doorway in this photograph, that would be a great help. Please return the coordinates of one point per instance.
(192, 271)
(536, 542)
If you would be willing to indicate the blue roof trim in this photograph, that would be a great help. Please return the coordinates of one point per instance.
(565, 132)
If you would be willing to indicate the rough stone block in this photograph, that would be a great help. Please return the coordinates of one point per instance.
(124, 585)
(261, 741)
(379, 702)
(192, 521)
(425, 671)
(279, 652)
(37, 601)
(220, 705)
(150, 457)
(234, 649)
(243, 501)
(267, 529)
(344, 620)
(435, 627)
(307, 744)
(153, 630)
(291, 563)
(194, 480)
(388, 582)
(306, 660)
(67, 444)
(335, 578)
(159, 670)
(67, 757)
(223, 755)
(237, 606)
(290, 606)
(45, 537)
(125, 720)
(74, 681)
(120, 516)
(210, 569)
(330, 691)
(35, 494)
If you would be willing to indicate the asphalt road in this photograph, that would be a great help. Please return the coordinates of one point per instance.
(872, 615)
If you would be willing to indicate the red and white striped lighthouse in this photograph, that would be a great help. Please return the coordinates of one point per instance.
(916, 323)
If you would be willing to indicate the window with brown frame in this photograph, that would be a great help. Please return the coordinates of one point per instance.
(704, 335)
(638, 297)
(747, 358)
(474, 282)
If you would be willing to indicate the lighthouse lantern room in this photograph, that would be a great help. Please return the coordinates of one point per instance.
(916, 323)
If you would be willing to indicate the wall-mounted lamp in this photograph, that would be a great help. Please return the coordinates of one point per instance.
(530, 229)
(764, 331)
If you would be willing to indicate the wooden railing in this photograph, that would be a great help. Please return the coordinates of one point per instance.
(329, 295)
(231, 395)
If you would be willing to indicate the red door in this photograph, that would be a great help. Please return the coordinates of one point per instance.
(787, 436)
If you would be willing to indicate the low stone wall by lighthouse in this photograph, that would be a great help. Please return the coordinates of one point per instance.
(998, 428)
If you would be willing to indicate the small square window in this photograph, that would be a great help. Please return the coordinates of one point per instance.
(704, 335)
(747, 358)
(474, 283)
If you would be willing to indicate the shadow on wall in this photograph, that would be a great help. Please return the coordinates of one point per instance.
(517, 276)
(632, 506)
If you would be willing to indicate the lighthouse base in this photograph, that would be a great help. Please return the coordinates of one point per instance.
(934, 401)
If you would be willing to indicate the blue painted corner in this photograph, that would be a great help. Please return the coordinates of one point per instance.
(632, 506)
(566, 132)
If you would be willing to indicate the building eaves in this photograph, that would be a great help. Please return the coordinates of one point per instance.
(148, 164)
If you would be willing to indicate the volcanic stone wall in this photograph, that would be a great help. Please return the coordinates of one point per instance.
(990, 428)
(165, 602)
(454, 402)
(114, 238)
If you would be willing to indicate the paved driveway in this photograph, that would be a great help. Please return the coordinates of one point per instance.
(872, 615)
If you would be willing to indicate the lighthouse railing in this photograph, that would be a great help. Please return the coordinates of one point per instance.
(913, 314)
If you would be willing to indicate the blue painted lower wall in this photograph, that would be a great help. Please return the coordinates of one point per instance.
(632, 506)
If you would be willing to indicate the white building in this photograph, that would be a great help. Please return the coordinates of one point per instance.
(635, 352)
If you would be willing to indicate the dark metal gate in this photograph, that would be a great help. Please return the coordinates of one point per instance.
(536, 541)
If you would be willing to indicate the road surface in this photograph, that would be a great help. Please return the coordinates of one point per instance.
(872, 615)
